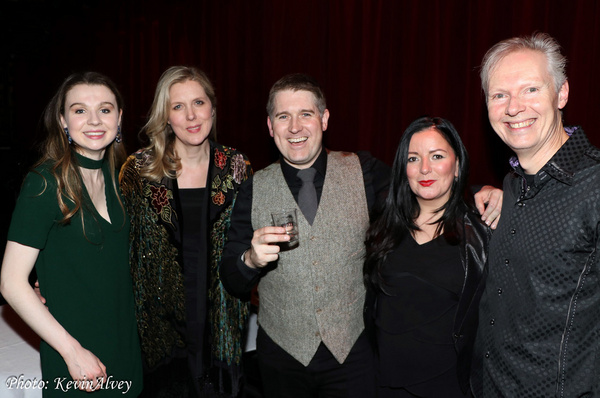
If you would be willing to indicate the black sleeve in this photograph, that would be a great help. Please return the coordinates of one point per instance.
(376, 175)
(237, 278)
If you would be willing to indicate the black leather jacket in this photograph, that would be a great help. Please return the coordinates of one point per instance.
(475, 238)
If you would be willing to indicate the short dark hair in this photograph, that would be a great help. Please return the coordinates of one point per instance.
(297, 82)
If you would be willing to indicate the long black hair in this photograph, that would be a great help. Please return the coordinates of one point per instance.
(397, 219)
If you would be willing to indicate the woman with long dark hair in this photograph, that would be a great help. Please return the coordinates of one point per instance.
(70, 223)
(425, 267)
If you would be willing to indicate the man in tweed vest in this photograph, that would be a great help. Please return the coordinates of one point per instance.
(310, 342)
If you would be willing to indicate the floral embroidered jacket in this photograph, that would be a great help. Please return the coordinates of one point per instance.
(157, 269)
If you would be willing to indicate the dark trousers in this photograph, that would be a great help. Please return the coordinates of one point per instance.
(284, 377)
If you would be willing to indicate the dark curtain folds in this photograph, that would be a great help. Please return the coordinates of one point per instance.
(381, 63)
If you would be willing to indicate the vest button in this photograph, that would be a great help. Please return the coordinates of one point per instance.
(315, 262)
(319, 311)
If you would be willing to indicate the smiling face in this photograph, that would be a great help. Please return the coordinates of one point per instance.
(190, 113)
(297, 127)
(431, 168)
(92, 117)
(524, 108)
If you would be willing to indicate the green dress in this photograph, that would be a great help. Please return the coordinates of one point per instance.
(83, 270)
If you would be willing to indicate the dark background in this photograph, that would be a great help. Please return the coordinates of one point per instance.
(381, 64)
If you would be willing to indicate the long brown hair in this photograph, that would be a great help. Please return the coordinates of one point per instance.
(57, 151)
(163, 161)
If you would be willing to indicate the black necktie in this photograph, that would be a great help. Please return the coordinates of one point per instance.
(307, 197)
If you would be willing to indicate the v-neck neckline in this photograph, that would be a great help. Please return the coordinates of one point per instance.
(106, 199)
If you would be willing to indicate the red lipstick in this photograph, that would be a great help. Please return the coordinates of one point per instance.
(426, 183)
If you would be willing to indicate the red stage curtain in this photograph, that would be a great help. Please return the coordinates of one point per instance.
(381, 63)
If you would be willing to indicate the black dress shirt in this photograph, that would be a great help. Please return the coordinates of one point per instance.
(238, 278)
(539, 328)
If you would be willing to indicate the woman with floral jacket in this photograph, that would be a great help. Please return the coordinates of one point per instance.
(179, 192)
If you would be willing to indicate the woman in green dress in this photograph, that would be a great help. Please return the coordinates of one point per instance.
(70, 223)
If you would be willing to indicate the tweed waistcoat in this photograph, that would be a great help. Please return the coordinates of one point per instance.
(316, 291)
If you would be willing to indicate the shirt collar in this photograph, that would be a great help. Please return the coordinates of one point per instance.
(564, 163)
(290, 172)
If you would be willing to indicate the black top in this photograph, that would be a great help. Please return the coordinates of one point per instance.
(156, 259)
(540, 318)
(238, 278)
(195, 272)
(415, 318)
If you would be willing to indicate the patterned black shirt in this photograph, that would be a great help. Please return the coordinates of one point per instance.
(539, 330)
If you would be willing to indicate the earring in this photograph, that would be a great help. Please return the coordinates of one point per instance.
(68, 136)
(119, 136)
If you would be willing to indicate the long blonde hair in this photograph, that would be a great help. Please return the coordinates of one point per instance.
(57, 151)
(163, 162)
